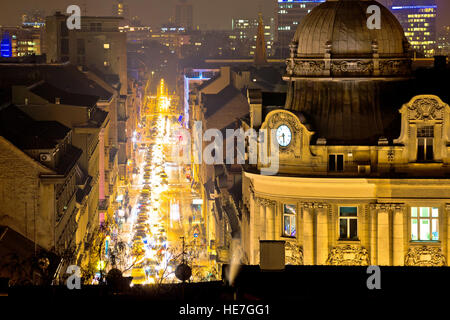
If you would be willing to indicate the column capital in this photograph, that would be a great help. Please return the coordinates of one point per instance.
(265, 202)
(447, 206)
(398, 207)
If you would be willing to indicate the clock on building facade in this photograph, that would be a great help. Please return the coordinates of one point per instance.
(284, 135)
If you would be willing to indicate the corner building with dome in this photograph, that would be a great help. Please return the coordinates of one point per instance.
(364, 149)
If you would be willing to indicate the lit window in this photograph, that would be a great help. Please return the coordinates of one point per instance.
(336, 162)
(348, 223)
(425, 141)
(424, 224)
(289, 216)
(106, 45)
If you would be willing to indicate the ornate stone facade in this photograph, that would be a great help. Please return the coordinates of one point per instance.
(425, 256)
(348, 255)
(426, 108)
(296, 67)
(351, 149)
(294, 253)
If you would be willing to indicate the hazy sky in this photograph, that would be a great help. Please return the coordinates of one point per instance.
(215, 14)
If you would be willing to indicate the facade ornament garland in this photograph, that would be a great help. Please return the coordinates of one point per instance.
(395, 67)
(351, 66)
(425, 256)
(315, 205)
(391, 155)
(365, 67)
(348, 255)
(388, 206)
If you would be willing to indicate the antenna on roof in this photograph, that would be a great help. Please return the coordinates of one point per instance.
(260, 6)
(84, 5)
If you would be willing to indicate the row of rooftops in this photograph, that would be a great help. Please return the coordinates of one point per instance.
(62, 84)
(30, 135)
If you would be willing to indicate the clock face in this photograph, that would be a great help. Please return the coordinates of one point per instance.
(284, 135)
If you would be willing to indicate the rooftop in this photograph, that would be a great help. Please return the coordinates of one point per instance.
(63, 76)
(52, 94)
(26, 133)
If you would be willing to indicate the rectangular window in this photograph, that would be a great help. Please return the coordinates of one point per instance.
(348, 223)
(289, 220)
(64, 46)
(336, 162)
(81, 47)
(63, 29)
(425, 142)
(424, 224)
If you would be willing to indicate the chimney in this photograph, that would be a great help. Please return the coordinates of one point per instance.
(57, 100)
(272, 255)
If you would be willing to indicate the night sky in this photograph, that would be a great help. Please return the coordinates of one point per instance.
(214, 14)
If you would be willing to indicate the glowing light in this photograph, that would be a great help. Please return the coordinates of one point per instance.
(101, 265)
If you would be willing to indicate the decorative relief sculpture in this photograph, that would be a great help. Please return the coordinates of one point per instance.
(293, 253)
(426, 109)
(425, 256)
(394, 67)
(282, 117)
(390, 155)
(348, 255)
(357, 66)
(309, 67)
(302, 67)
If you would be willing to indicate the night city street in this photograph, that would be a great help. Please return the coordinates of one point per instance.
(206, 159)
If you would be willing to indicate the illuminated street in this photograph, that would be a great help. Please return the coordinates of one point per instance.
(225, 159)
(164, 208)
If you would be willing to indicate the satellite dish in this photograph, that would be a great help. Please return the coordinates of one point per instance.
(183, 272)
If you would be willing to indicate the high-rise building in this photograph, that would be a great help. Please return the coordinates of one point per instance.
(289, 14)
(34, 19)
(20, 41)
(443, 41)
(184, 14)
(246, 30)
(418, 19)
(120, 9)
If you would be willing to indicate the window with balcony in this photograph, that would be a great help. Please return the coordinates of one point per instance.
(424, 224)
(348, 223)
(425, 140)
